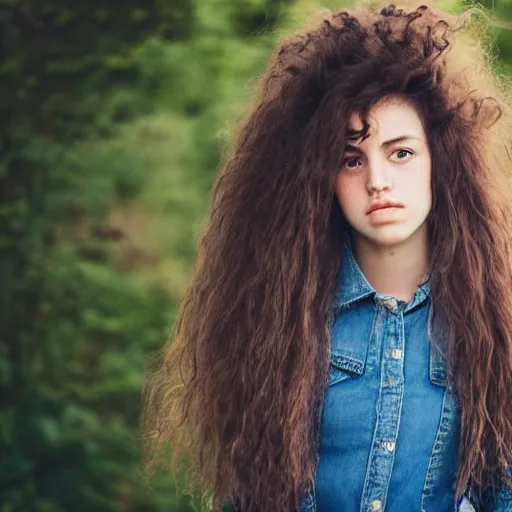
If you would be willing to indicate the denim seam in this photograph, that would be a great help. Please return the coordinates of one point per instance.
(437, 449)
(381, 430)
(379, 400)
(312, 491)
(367, 476)
(371, 349)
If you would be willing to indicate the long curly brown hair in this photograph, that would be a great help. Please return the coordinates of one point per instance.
(240, 387)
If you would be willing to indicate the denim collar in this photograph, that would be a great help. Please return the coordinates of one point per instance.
(353, 285)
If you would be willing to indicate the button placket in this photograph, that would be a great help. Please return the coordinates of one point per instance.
(390, 404)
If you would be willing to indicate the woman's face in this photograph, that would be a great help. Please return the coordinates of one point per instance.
(383, 186)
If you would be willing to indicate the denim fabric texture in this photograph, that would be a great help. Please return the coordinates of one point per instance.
(389, 427)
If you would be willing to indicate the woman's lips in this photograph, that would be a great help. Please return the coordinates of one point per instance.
(384, 215)
(380, 205)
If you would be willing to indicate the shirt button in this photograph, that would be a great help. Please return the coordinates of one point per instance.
(389, 445)
(391, 304)
(376, 505)
(392, 381)
(396, 353)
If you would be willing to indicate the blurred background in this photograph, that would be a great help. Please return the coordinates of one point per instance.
(112, 121)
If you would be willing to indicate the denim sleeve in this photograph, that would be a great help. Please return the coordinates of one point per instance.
(503, 500)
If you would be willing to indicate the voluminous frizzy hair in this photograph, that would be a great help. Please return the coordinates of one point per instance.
(238, 392)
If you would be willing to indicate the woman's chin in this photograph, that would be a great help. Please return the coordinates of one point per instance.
(388, 236)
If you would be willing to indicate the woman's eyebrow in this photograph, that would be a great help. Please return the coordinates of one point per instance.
(385, 144)
(401, 138)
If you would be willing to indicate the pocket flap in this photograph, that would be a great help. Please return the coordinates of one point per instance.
(347, 363)
(344, 367)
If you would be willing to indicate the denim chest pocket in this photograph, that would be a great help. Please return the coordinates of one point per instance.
(351, 334)
(343, 367)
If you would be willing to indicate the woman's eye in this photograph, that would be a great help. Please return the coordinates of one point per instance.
(403, 154)
(351, 163)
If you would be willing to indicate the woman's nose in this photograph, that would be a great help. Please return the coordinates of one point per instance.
(378, 178)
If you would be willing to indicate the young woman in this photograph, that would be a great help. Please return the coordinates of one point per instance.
(346, 342)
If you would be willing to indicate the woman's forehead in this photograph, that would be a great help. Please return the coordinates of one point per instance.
(388, 118)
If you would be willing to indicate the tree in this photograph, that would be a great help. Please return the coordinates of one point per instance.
(70, 360)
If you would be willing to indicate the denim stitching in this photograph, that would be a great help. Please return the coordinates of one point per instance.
(389, 407)
(436, 457)
(347, 363)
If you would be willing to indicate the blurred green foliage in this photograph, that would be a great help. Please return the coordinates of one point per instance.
(113, 119)
(75, 325)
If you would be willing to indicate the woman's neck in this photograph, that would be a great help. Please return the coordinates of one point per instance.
(394, 270)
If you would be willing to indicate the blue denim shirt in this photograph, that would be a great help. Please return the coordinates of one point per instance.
(389, 428)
